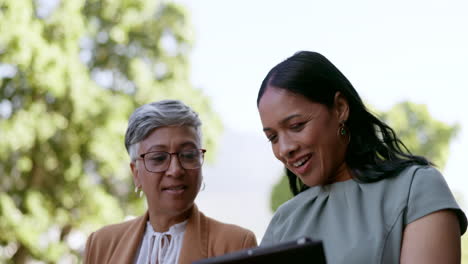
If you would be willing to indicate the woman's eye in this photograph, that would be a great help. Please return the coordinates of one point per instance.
(297, 126)
(272, 138)
(156, 159)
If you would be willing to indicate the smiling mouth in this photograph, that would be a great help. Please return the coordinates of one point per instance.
(300, 166)
(175, 189)
(300, 162)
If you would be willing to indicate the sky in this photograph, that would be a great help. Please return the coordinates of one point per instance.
(390, 51)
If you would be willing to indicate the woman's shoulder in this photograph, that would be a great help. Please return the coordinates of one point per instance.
(413, 171)
(395, 191)
(420, 190)
(429, 192)
(398, 188)
(402, 181)
(102, 244)
(416, 178)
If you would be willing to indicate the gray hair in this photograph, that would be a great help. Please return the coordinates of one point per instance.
(150, 116)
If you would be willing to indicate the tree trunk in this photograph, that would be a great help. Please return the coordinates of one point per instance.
(21, 255)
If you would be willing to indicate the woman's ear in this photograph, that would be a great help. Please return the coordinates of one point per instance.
(341, 107)
(134, 168)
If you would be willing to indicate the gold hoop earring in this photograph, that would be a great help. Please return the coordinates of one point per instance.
(140, 191)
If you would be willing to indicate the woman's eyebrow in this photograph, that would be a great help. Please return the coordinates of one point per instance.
(156, 147)
(188, 143)
(282, 122)
(286, 120)
(162, 146)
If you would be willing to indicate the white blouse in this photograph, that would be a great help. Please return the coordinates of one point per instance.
(161, 248)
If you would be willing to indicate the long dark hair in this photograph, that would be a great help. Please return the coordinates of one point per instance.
(374, 151)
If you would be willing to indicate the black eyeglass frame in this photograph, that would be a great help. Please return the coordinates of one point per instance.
(142, 156)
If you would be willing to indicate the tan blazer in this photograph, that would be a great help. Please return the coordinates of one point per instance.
(204, 237)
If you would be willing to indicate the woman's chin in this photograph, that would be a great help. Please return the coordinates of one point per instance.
(312, 179)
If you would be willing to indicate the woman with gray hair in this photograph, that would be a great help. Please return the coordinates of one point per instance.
(163, 140)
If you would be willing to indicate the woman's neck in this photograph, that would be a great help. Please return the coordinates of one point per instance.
(162, 222)
(343, 173)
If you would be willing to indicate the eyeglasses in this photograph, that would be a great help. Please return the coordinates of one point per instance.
(158, 161)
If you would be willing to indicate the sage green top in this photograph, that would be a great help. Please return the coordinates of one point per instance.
(363, 222)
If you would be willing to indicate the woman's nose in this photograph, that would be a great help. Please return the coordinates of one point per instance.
(175, 168)
(287, 147)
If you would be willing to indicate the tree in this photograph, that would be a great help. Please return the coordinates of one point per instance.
(419, 131)
(71, 73)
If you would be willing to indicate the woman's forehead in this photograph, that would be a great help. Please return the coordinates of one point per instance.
(280, 103)
(168, 136)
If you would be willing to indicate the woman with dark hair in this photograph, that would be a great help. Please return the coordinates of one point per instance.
(356, 186)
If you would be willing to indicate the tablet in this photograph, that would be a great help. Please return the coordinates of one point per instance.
(300, 251)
